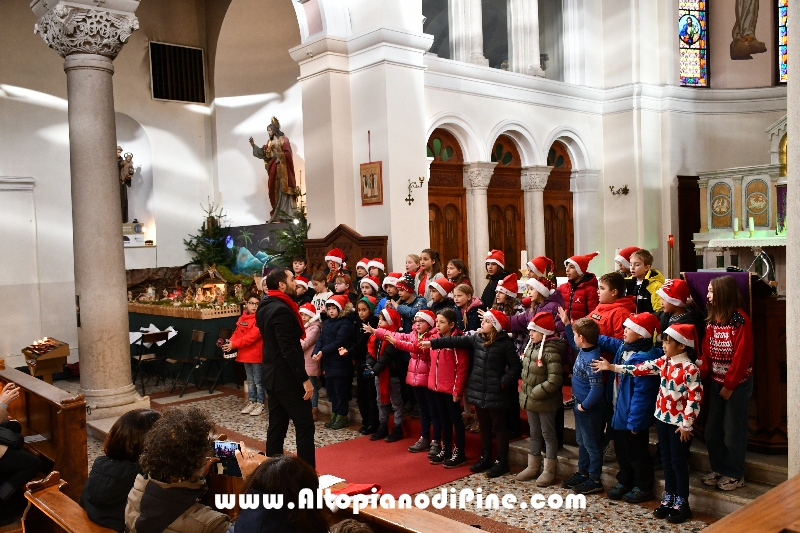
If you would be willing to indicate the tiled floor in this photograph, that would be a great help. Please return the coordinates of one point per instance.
(600, 515)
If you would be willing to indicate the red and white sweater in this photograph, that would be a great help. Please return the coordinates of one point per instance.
(680, 391)
(729, 350)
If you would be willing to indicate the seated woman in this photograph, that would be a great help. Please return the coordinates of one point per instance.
(174, 462)
(281, 474)
(17, 466)
(106, 491)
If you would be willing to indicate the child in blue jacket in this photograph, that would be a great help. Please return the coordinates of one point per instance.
(590, 404)
(633, 401)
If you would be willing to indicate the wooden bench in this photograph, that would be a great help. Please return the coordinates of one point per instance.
(777, 511)
(50, 510)
(58, 416)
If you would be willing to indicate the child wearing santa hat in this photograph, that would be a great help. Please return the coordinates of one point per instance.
(678, 308)
(371, 286)
(417, 377)
(677, 407)
(441, 295)
(580, 290)
(495, 272)
(541, 396)
(361, 271)
(632, 404)
(387, 365)
(337, 368)
(409, 302)
(542, 297)
(644, 282)
(541, 267)
(389, 286)
(313, 324)
(334, 265)
(622, 261)
(496, 369)
(376, 268)
(304, 294)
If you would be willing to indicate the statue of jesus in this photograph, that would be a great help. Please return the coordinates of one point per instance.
(744, 41)
(277, 155)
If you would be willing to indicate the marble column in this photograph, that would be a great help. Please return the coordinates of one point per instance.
(586, 210)
(523, 37)
(534, 180)
(89, 38)
(793, 248)
(703, 183)
(476, 180)
(466, 31)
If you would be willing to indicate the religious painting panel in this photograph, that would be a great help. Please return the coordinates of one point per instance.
(693, 43)
(757, 202)
(371, 179)
(721, 202)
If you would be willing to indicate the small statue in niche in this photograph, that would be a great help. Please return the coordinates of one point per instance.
(126, 172)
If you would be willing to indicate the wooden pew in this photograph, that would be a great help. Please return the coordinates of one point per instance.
(51, 511)
(60, 417)
(777, 511)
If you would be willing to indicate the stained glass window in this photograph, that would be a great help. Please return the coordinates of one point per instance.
(783, 41)
(693, 44)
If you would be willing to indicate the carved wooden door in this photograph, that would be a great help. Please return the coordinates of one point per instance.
(506, 203)
(447, 197)
(559, 233)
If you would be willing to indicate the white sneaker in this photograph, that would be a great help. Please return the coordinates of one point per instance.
(248, 408)
(258, 409)
(729, 483)
(711, 479)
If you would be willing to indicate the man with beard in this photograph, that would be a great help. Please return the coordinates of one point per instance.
(283, 373)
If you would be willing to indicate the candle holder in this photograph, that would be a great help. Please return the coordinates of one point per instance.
(413, 185)
(751, 233)
(736, 234)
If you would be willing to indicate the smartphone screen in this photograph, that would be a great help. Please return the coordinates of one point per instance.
(226, 452)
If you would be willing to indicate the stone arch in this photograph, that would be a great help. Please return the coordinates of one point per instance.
(323, 17)
(524, 139)
(579, 155)
(464, 131)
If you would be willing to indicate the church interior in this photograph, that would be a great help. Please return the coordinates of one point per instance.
(251, 135)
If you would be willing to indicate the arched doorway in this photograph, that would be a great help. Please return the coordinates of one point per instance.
(447, 221)
(506, 203)
(558, 225)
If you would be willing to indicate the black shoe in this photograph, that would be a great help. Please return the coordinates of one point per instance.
(637, 495)
(395, 435)
(618, 492)
(680, 511)
(576, 479)
(499, 468)
(484, 464)
(381, 433)
(664, 509)
(457, 459)
(363, 430)
(370, 430)
(588, 487)
(438, 458)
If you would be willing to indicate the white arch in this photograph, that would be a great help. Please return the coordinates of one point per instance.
(575, 145)
(528, 147)
(323, 17)
(465, 133)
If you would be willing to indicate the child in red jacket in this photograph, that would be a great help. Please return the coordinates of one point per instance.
(613, 308)
(580, 290)
(247, 340)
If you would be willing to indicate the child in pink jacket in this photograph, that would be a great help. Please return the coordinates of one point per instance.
(417, 378)
(312, 322)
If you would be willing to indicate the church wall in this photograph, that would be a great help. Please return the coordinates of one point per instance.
(726, 73)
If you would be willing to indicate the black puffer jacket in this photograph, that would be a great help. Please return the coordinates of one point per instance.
(495, 368)
(692, 316)
(105, 492)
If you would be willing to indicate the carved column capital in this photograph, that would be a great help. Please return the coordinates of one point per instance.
(703, 183)
(535, 178)
(737, 180)
(68, 28)
(478, 175)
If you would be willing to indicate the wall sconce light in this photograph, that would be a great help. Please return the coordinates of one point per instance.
(413, 185)
(622, 190)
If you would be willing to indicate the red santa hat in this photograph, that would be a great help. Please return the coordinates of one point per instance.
(378, 263)
(371, 281)
(406, 282)
(392, 317)
(443, 286)
(498, 319)
(427, 316)
(339, 300)
(624, 256)
(675, 291)
(541, 285)
(335, 255)
(508, 285)
(391, 279)
(543, 323)
(309, 309)
(496, 256)
(581, 262)
(364, 263)
(685, 334)
(541, 266)
(645, 324)
(301, 280)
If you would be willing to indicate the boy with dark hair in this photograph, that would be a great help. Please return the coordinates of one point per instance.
(613, 307)
(299, 264)
(589, 408)
(644, 282)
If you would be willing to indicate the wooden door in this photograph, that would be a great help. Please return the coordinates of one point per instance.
(506, 203)
(688, 221)
(447, 197)
(559, 230)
